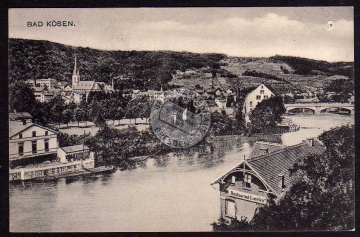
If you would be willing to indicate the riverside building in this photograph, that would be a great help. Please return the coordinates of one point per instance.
(34, 152)
(250, 184)
(255, 97)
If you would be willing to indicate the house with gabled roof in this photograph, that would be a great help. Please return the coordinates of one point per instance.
(29, 140)
(252, 99)
(250, 184)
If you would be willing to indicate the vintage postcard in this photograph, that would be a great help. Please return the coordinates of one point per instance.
(181, 119)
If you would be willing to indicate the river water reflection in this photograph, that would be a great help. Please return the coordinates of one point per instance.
(169, 193)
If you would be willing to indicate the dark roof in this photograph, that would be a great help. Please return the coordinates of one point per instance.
(21, 115)
(75, 148)
(269, 166)
(84, 85)
(271, 147)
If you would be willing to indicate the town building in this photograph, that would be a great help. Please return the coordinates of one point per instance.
(28, 140)
(23, 117)
(49, 83)
(34, 151)
(71, 153)
(255, 97)
(82, 89)
(151, 94)
(43, 94)
(250, 184)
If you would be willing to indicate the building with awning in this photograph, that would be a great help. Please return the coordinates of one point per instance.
(250, 184)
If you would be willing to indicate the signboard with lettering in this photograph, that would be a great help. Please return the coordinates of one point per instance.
(248, 196)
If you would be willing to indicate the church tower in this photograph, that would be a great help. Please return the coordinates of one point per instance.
(76, 75)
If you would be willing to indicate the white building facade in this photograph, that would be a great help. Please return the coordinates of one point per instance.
(254, 98)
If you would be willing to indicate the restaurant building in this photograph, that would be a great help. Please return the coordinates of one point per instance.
(250, 184)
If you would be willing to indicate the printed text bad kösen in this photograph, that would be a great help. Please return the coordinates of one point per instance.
(53, 23)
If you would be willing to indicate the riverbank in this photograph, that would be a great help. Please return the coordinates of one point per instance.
(170, 192)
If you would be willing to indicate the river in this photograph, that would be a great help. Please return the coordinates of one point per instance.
(169, 193)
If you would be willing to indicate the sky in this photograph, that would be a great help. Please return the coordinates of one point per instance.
(244, 32)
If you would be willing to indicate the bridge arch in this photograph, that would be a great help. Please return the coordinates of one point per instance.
(336, 110)
(300, 110)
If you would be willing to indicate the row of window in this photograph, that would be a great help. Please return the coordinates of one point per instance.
(33, 134)
(247, 180)
(258, 97)
(34, 149)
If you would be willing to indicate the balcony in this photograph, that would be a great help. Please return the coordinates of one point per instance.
(31, 154)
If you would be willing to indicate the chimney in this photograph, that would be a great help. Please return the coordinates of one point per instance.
(281, 183)
(264, 150)
(310, 141)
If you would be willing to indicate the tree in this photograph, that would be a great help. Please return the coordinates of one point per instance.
(267, 114)
(119, 113)
(146, 109)
(221, 125)
(57, 106)
(135, 108)
(67, 116)
(21, 98)
(239, 116)
(114, 146)
(68, 140)
(79, 114)
(99, 120)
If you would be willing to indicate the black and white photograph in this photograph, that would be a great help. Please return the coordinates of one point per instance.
(196, 119)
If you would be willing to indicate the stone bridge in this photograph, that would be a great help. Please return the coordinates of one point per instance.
(317, 108)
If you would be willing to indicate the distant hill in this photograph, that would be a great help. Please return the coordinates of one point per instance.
(44, 59)
(304, 66)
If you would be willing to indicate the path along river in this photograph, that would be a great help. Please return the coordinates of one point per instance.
(167, 194)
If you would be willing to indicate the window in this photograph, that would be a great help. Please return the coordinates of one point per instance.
(230, 208)
(20, 135)
(251, 104)
(258, 97)
(34, 147)
(266, 97)
(247, 180)
(233, 179)
(264, 151)
(21, 148)
(46, 133)
(261, 91)
(34, 133)
(46, 145)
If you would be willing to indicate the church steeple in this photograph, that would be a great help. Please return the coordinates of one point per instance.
(76, 75)
(75, 66)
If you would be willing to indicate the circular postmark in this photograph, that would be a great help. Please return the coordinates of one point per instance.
(180, 118)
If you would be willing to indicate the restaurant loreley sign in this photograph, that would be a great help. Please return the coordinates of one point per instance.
(248, 196)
